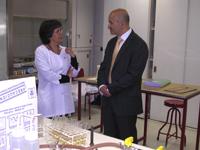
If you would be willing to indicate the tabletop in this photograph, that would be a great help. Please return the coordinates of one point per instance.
(176, 90)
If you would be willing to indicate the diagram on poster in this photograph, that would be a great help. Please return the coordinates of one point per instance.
(18, 103)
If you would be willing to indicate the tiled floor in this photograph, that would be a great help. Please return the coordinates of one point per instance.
(153, 127)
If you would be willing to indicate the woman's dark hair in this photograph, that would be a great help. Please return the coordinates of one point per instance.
(46, 30)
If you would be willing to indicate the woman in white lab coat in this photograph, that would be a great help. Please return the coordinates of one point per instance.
(55, 65)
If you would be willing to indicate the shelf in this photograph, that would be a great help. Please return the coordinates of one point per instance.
(38, 17)
(22, 76)
(44, 9)
(23, 64)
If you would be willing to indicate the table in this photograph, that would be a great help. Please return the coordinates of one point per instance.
(98, 139)
(22, 76)
(89, 80)
(198, 131)
(164, 91)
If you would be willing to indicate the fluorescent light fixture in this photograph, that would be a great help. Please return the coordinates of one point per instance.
(2, 29)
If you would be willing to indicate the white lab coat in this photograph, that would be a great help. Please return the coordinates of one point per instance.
(53, 98)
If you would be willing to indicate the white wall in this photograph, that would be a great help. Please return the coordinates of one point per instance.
(139, 18)
(176, 52)
(139, 12)
(170, 35)
(176, 45)
(192, 55)
(192, 74)
(169, 48)
(109, 5)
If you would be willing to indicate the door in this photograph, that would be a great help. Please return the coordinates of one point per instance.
(169, 47)
(97, 52)
(82, 30)
(192, 73)
(84, 25)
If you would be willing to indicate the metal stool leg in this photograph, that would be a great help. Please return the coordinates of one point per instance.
(89, 107)
(170, 125)
(86, 95)
(175, 121)
(164, 123)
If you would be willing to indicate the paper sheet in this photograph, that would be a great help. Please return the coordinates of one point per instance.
(18, 100)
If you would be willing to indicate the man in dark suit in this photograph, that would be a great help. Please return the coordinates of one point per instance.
(119, 77)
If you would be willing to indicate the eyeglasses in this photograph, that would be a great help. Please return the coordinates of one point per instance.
(58, 30)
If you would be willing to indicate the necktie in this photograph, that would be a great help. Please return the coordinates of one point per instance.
(115, 52)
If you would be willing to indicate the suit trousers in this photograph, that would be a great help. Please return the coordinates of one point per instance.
(119, 127)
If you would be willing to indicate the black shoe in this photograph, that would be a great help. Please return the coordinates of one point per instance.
(68, 115)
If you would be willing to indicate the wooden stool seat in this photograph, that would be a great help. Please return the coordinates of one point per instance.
(173, 113)
(174, 103)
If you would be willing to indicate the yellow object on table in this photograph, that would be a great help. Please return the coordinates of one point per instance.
(128, 142)
(160, 148)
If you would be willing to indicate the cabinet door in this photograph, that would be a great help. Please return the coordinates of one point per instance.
(192, 73)
(83, 57)
(84, 23)
(170, 38)
(97, 52)
(82, 30)
(169, 47)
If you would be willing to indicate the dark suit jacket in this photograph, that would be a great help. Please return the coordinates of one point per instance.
(126, 75)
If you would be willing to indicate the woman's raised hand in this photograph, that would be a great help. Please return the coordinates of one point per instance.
(70, 51)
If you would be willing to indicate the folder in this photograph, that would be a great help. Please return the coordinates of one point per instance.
(157, 83)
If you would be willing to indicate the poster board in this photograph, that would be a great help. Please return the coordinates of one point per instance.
(18, 101)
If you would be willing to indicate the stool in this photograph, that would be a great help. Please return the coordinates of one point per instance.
(174, 104)
(87, 98)
(88, 94)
